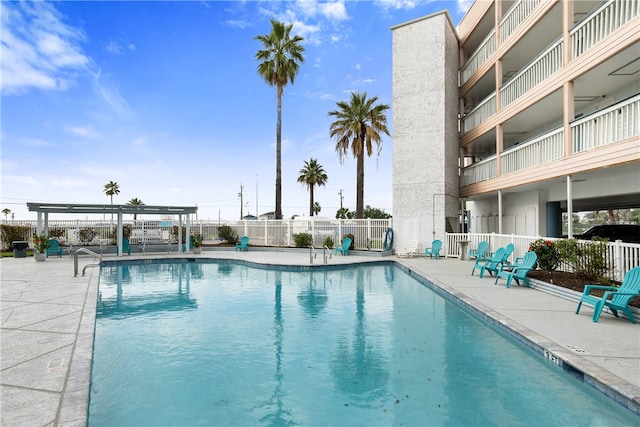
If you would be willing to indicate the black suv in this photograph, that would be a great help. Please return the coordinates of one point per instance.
(629, 233)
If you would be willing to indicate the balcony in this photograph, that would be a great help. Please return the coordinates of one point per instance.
(616, 123)
(479, 57)
(480, 113)
(537, 71)
(542, 149)
(515, 16)
(612, 15)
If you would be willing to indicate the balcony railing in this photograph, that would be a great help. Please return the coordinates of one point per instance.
(515, 16)
(606, 19)
(616, 123)
(539, 69)
(479, 171)
(479, 57)
(483, 111)
(542, 149)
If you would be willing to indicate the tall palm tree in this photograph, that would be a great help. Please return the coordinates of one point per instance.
(278, 64)
(359, 123)
(135, 202)
(6, 212)
(312, 174)
(110, 189)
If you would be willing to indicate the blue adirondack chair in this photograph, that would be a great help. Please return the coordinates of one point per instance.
(434, 250)
(614, 298)
(54, 248)
(473, 253)
(243, 244)
(481, 255)
(518, 271)
(493, 267)
(344, 247)
(126, 246)
(493, 263)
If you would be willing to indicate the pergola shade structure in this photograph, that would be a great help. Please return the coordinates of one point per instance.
(44, 209)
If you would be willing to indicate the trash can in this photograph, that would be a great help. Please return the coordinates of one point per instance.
(19, 248)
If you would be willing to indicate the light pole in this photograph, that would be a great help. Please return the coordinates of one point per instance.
(241, 201)
(257, 211)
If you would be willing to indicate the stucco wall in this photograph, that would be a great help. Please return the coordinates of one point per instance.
(425, 140)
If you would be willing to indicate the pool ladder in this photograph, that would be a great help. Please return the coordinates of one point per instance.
(75, 260)
(312, 253)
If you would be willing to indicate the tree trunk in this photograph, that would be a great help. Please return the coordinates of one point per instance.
(360, 186)
(278, 212)
(311, 200)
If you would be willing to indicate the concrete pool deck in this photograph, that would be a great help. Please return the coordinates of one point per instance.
(48, 319)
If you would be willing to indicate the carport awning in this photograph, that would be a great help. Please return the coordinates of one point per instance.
(103, 209)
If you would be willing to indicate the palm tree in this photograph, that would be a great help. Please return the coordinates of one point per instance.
(279, 63)
(312, 174)
(111, 188)
(316, 208)
(135, 202)
(359, 124)
(6, 212)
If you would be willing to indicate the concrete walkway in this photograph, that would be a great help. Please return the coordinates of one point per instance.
(48, 318)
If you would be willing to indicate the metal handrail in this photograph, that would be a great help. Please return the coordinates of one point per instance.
(312, 254)
(325, 248)
(75, 260)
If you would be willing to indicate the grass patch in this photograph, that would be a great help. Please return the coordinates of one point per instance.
(9, 254)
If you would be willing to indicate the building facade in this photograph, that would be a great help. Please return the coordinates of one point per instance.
(527, 110)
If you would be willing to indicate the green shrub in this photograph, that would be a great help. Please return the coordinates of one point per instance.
(87, 234)
(174, 231)
(588, 260)
(303, 240)
(328, 242)
(548, 256)
(228, 234)
(56, 232)
(353, 240)
(196, 240)
(11, 233)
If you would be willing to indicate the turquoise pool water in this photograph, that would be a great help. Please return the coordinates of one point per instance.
(219, 344)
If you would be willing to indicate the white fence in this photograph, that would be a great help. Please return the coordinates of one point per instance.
(368, 234)
(620, 257)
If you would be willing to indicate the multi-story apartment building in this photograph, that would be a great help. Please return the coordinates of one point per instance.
(526, 110)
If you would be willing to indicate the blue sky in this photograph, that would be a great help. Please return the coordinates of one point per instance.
(164, 99)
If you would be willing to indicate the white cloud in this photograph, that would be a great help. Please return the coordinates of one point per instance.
(38, 49)
(83, 131)
(110, 92)
(334, 10)
(464, 5)
(237, 23)
(399, 4)
(69, 183)
(35, 142)
(26, 180)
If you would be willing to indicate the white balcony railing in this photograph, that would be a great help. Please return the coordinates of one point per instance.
(542, 149)
(616, 123)
(479, 57)
(612, 15)
(479, 171)
(515, 16)
(483, 111)
(539, 69)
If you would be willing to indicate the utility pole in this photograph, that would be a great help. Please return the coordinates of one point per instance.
(341, 197)
(241, 201)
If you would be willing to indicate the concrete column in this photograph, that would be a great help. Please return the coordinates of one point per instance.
(554, 219)
(569, 207)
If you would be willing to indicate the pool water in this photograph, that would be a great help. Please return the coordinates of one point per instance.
(219, 344)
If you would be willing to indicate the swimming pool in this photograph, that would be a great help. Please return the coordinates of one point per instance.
(221, 343)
